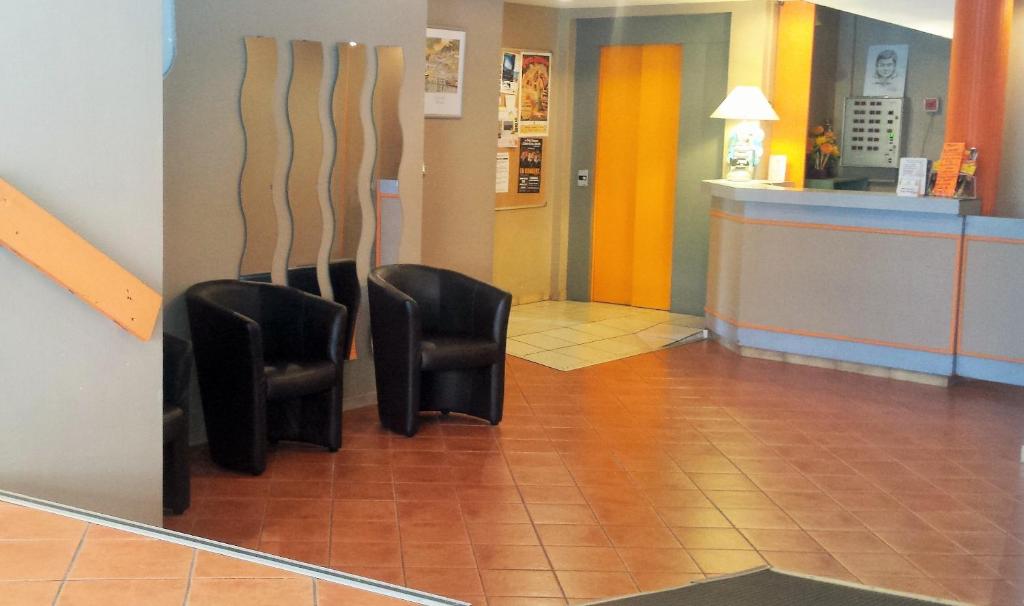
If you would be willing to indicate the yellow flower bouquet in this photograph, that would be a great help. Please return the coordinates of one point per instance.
(822, 150)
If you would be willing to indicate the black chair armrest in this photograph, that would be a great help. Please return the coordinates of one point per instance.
(488, 306)
(491, 307)
(394, 320)
(227, 343)
(322, 327)
(177, 371)
(228, 351)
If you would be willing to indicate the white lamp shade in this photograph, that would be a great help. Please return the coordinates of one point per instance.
(746, 103)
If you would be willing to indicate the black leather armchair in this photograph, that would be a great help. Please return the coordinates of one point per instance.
(344, 283)
(269, 361)
(438, 344)
(177, 374)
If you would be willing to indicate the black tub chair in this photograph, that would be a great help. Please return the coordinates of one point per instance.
(177, 374)
(344, 283)
(269, 361)
(438, 344)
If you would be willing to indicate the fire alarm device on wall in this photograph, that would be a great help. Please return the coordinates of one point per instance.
(931, 105)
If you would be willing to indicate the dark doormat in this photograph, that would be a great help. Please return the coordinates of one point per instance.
(768, 587)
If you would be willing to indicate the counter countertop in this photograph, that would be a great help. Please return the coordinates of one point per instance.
(760, 191)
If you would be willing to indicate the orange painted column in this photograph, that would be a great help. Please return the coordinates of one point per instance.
(791, 91)
(978, 69)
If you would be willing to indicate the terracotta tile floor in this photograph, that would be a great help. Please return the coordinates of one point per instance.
(653, 471)
(49, 559)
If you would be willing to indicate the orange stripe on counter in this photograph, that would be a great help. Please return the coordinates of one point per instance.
(994, 239)
(825, 335)
(958, 294)
(997, 358)
(719, 214)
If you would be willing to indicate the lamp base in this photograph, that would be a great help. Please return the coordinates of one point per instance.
(745, 149)
(740, 173)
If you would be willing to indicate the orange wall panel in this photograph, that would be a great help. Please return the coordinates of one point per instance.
(791, 91)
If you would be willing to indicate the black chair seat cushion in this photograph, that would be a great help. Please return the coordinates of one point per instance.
(442, 352)
(291, 379)
(174, 423)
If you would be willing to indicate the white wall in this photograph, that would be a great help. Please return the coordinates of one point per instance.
(80, 117)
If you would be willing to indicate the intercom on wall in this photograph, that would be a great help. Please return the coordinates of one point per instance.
(872, 132)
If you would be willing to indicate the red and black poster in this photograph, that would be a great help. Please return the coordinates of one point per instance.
(530, 153)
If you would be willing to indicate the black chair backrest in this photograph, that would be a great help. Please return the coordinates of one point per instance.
(344, 282)
(445, 298)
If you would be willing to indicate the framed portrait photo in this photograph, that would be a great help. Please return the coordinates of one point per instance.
(886, 72)
(446, 62)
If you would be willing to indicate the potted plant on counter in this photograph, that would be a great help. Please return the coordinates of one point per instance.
(822, 152)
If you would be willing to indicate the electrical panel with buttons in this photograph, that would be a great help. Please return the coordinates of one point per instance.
(872, 132)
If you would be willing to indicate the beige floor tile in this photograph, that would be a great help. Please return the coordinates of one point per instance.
(518, 348)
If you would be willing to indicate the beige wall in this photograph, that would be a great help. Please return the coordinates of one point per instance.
(203, 150)
(523, 237)
(80, 117)
(458, 187)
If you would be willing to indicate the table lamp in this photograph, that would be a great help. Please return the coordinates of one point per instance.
(746, 142)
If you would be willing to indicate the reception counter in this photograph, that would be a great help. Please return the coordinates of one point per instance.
(911, 288)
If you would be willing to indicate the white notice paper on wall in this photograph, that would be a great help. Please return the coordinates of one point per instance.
(913, 177)
(776, 169)
(501, 178)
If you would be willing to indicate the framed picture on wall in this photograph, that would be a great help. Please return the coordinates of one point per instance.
(886, 72)
(446, 62)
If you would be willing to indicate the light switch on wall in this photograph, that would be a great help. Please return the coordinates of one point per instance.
(582, 178)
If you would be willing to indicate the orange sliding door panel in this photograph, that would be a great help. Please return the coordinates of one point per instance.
(615, 174)
(51, 247)
(639, 91)
(657, 145)
(791, 91)
(978, 72)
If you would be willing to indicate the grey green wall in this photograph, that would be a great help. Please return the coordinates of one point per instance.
(823, 66)
(204, 144)
(1011, 184)
(705, 40)
(80, 117)
(458, 187)
(927, 76)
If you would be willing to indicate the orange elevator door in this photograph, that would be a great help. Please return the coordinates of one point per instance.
(635, 174)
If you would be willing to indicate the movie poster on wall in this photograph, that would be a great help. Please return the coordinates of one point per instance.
(534, 91)
(530, 160)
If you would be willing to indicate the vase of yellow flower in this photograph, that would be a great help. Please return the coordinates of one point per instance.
(822, 152)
